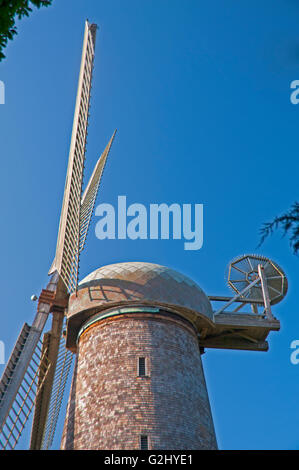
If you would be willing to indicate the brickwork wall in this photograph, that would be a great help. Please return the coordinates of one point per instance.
(110, 406)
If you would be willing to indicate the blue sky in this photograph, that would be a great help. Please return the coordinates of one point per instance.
(200, 94)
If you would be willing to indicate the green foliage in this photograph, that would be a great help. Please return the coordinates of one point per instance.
(289, 223)
(9, 11)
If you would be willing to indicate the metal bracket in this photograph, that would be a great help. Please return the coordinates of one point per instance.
(265, 291)
(266, 298)
(237, 297)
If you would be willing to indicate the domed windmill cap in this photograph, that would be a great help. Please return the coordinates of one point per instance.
(138, 284)
(153, 283)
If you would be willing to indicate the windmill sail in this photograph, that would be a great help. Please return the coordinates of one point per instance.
(90, 194)
(52, 388)
(63, 368)
(66, 260)
(50, 400)
(19, 383)
(28, 378)
(50, 347)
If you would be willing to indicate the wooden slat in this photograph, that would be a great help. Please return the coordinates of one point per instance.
(70, 213)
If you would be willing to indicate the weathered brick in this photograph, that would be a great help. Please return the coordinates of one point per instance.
(110, 406)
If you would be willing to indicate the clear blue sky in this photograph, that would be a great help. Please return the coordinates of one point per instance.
(199, 91)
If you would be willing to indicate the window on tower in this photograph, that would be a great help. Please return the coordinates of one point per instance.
(143, 442)
(141, 367)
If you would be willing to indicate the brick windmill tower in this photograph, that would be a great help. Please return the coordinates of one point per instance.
(137, 331)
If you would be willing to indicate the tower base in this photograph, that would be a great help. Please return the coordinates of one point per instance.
(138, 384)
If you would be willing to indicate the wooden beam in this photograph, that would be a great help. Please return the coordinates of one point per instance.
(243, 320)
(233, 343)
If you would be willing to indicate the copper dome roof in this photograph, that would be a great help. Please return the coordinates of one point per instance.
(149, 283)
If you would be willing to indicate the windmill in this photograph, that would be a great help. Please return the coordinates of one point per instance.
(37, 370)
(121, 320)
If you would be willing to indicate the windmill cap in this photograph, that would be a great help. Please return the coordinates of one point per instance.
(137, 284)
(151, 282)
